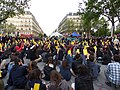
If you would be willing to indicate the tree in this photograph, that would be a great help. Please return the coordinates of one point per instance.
(89, 17)
(10, 8)
(101, 27)
(11, 28)
(117, 31)
(108, 8)
(69, 26)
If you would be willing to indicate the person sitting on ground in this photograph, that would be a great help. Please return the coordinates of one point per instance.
(93, 67)
(77, 61)
(106, 56)
(57, 83)
(11, 64)
(84, 80)
(32, 65)
(35, 78)
(17, 77)
(113, 72)
(65, 70)
(48, 68)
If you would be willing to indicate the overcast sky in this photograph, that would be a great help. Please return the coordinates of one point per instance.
(49, 13)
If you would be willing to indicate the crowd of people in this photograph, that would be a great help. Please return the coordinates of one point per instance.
(75, 57)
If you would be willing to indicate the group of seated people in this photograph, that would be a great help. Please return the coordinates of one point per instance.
(26, 76)
(57, 71)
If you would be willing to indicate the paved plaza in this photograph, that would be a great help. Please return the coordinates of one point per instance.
(99, 84)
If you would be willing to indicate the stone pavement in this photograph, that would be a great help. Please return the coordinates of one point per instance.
(99, 84)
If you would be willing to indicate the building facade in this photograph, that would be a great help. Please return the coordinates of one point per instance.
(25, 24)
(74, 21)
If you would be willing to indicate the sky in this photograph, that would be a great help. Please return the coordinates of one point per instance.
(49, 13)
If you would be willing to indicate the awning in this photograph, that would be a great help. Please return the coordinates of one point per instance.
(26, 35)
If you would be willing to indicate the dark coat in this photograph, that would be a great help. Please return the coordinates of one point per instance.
(47, 70)
(17, 77)
(84, 83)
(30, 84)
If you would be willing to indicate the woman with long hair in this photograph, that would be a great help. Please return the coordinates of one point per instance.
(57, 83)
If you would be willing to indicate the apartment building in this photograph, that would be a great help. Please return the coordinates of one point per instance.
(26, 24)
(75, 18)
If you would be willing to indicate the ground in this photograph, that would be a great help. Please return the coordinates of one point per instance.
(99, 84)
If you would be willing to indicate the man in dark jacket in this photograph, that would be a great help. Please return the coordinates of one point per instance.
(84, 80)
(17, 77)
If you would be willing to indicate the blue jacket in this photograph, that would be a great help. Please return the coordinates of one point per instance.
(94, 69)
(65, 72)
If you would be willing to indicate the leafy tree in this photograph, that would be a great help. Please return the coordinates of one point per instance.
(117, 31)
(89, 17)
(101, 27)
(10, 8)
(69, 26)
(108, 8)
(41, 35)
(11, 28)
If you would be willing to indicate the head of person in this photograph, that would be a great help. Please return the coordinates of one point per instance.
(83, 70)
(13, 58)
(64, 64)
(50, 62)
(55, 76)
(36, 74)
(18, 62)
(32, 65)
(91, 58)
(77, 56)
(116, 58)
(91, 50)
